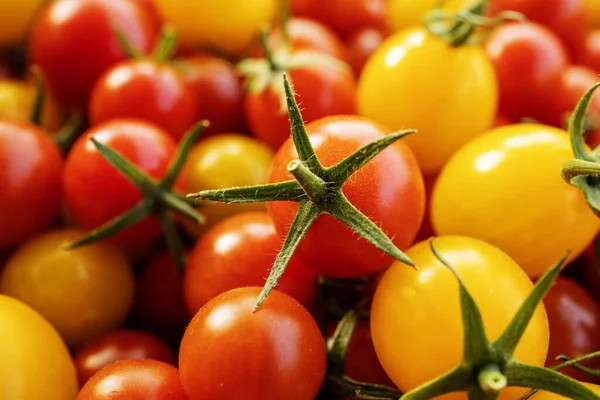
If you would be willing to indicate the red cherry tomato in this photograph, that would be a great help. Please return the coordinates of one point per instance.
(589, 52)
(167, 102)
(230, 352)
(134, 380)
(528, 60)
(238, 252)
(119, 345)
(30, 170)
(73, 42)
(426, 231)
(393, 198)
(591, 275)
(218, 91)
(96, 192)
(361, 45)
(574, 319)
(575, 81)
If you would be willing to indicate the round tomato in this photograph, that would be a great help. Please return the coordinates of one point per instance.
(96, 192)
(402, 14)
(238, 252)
(82, 292)
(229, 26)
(589, 53)
(505, 188)
(74, 42)
(402, 86)
(575, 81)
(30, 170)
(134, 379)
(410, 306)
(388, 189)
(230, 352)
(591, 273)
(541, 395)
(35, 361)
(15, 18)
(360, 47)
(167, 102)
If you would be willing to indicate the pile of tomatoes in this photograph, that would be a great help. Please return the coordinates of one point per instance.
(129, 269)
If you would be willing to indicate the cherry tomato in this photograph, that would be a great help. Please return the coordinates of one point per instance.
(393, 198)
(218, 92)
(278, 350)
(159, 305)
(589, 54)
(119, 345)
(30, 168)
(83, 292)
(575, 81)
(360, 47)
(402, 14)
(35, 362)
(96, 192)
(201, 23)
(505, 188)
(574, 318)
(134, 380)
(223, 161)
(591, 276)
(410, 306)
(168, 101)
(73, 42)
(541, 395)
(402, 83)
(426, 231)
(15, 18)
(238, 252)
(529, 60)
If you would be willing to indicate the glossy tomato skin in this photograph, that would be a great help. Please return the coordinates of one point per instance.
(123, 344)
(392, 87)
(528, 59)
(574, 318)
(30, 164)
(83, 292)
(237, 252)
(575, 81)
(217, 88)
(134, 380)
(541, 395)
(73, 43)
(361, 45)
(321, 90)
(96, 192)
(504, 188)
(389, 190)
(278, 350)
(411, 305)
(168, 101)
(589, 53)
(32, 352)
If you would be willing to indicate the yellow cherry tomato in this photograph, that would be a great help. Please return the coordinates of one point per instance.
(222, 161)
(402, 14)
(15, 19)
(541, 395)
(415, 80)
(35, 361)
(416, 322)
(228, 25)
(82, 292)
(592, 13)
(505, 188)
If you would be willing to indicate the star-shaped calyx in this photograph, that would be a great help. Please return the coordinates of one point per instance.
(316, 189)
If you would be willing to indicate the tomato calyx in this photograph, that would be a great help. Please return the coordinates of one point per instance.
(163, 50)
(157, 197)
(488, 367)
(317, 190)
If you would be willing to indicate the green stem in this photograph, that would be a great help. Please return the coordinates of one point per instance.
(491, 379)
(577, 167)
(336, 356)
(284, 18)
(68, 134)
(577, 125)
(173, 240)
(125, 44)
(264, 44)
(38, 104)
(166, 46)
(315, 187)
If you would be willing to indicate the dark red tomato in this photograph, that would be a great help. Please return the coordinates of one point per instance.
(426, 231)
(218, 90)
(300, 7)
(230, 352)
(147, 90)
(565, 18)
(73, 42)
(96, 192)
(589, 52)
(575, 81)
(361, 45)
(528, 60)
(238, 252)
(389, 190)
(134, 380)
(591, 274)
(30, 170)
(574, 319)
(159, 305)
(119, 345)
(320, 90)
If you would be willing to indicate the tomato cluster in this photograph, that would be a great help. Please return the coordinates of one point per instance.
(299, 199)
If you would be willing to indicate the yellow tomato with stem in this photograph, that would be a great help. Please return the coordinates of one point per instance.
(416, 322)
(402, 14)
(505, 188)
(541, 395)
(227, 25)
(416, 80)
(35, 364)
(15, 19)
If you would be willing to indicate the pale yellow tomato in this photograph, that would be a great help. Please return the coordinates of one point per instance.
(402, 14)
(541, 395)
(35, 361)
(15, 19)
(505, 188)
